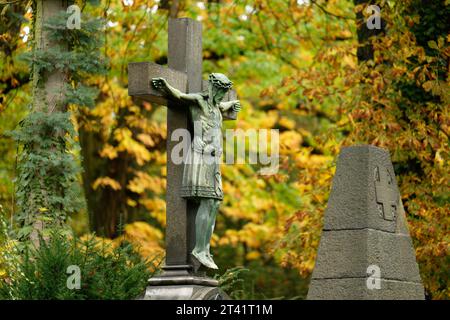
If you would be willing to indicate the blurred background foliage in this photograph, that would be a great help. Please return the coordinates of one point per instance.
(308, 68)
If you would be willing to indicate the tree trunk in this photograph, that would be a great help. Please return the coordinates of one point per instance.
(365, 49)
(48, 88)
(107, 207)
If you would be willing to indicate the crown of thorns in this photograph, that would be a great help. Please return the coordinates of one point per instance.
(220, 80)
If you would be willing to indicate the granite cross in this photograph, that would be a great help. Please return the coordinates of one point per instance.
(184, 72)
(386, 194)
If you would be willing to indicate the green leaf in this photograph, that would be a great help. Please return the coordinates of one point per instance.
(433, 45)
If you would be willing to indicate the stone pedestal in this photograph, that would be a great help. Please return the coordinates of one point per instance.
(180, 283)
(365, 250)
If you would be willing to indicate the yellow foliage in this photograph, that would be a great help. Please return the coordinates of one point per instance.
(146, 139)
(145, 238)
(143, 181)
(157, 209)
(106, 182)
(290, 142)
(253, 255)
(126, 143)
(109, 152)
(102, 244)
(7, 254)
(287, 123)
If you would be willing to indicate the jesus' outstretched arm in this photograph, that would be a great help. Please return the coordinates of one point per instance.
(235, 105)
(172, 93)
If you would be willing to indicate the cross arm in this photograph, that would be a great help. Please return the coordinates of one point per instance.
(140, 85)
(140, 75)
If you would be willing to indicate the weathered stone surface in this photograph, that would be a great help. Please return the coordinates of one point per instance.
(172, 276)
(356, 289)
(185, 55)
(184, 292)
(348, 254)
(365, 226)
(140, 74)
(353, 199)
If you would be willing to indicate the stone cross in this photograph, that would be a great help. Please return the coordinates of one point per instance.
(184, 72)
(386, 194)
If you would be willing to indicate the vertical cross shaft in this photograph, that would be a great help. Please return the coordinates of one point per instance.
(185, 55)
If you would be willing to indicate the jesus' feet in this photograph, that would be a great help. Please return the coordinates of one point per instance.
(202, 258)
(211, 262)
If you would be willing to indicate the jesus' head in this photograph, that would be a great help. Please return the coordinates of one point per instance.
(219, 85)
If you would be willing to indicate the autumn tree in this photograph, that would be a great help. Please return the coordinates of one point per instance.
(402, 105)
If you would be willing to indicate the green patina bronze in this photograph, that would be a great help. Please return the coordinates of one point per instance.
(202, 181)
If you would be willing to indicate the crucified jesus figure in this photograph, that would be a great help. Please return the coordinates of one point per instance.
(202, 181)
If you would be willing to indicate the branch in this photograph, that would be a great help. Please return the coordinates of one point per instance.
(330, 13)
(10, 2)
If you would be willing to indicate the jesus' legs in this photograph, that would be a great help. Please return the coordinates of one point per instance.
(204, 224)
(210, 230)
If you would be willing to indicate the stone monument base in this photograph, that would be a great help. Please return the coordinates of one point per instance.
(178, 283)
